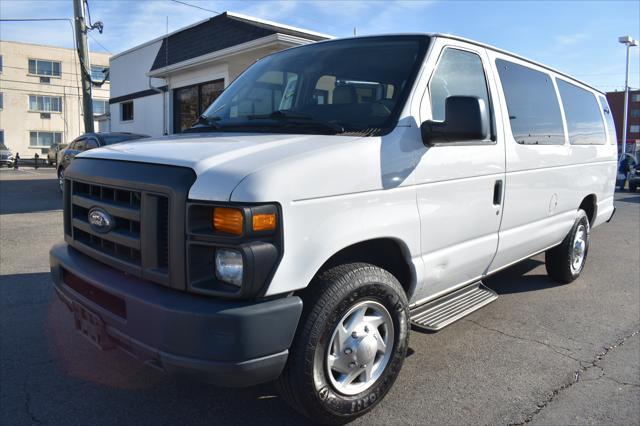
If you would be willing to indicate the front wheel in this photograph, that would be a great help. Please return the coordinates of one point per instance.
(565, 262)
(350, 345)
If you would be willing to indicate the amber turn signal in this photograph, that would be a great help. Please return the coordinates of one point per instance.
(264, 222)
(228, 220)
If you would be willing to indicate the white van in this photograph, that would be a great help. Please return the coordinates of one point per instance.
(333, 196)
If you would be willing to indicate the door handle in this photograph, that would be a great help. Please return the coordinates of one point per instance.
(497, 192)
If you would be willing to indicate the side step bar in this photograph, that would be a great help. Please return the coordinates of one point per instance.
(439, 313)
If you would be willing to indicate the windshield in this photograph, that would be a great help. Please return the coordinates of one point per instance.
(336, 87)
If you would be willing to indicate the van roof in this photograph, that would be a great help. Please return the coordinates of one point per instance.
(497, 49)
(477, 43)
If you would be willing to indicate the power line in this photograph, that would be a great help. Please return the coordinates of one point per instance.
(99, 44)
(195, 6)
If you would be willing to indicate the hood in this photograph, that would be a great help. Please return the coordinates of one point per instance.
(225, 158)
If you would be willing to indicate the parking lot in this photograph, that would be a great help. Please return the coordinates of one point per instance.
(542, 353)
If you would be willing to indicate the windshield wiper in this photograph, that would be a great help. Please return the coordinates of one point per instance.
(204, 124)
(297, 119)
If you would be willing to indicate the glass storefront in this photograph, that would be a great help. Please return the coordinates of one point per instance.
(191, 101)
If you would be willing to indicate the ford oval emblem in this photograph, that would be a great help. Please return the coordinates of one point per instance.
(100, 221)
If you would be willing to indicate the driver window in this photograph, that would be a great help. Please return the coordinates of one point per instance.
(80, 145)
(91, 143)
(459, 73)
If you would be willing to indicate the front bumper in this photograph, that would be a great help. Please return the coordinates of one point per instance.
(228, 343)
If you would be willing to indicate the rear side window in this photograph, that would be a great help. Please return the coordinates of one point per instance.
(608, 117)
(581, 109)
(459, 73)
(534, 112)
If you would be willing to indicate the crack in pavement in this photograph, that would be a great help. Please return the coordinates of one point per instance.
(593, 364)
(554, 348)
(27, 401)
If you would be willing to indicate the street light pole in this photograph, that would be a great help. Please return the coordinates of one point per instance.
(629, 42)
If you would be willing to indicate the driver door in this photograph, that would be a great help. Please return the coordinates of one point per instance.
(460, 186)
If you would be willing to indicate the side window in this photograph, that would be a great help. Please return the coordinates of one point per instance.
(608, 118)
(584, 121)
(80, 145)
(532, 103)
(458, 73)
(91, 143)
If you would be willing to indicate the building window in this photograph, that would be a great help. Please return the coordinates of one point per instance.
(44, 68)
(635, 97)
(1, 101)
(634, 128)
(45, 103)
(100, 106)
(0, 63)
(635, 113)
(582, 112)
(190, 102)
(2, 138)
(534, 111)
(44, 139)
(99, 72)
(126, 111)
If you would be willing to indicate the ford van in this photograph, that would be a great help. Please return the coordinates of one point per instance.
(333, 197)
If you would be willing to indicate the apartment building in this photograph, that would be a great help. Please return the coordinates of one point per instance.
(41, 98)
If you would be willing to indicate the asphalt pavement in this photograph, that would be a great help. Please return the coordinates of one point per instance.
(542, 353)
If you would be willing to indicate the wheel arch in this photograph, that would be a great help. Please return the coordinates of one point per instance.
(387, 253)
(590, 205)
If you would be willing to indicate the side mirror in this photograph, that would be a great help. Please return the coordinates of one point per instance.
(466, 119)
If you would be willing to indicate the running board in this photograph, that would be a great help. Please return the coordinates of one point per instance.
(439, 313)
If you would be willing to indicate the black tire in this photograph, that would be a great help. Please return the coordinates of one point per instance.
(559, 260)
(633, 187)
(304, 383)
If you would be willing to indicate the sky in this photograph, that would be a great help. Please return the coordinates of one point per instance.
(577, 37)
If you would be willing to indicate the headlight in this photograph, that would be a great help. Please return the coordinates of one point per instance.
(233, 249)
(229, 266)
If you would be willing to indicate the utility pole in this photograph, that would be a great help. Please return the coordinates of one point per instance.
(85, 70)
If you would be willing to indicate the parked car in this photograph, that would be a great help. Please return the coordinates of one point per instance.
(52, 154)
(332, 196)
(6, 156)
(86, 142)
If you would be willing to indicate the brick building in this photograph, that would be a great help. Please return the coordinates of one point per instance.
(616, 102)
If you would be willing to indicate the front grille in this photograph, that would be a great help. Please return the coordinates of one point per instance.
(163, 232)
(123, 243)
(147, 204)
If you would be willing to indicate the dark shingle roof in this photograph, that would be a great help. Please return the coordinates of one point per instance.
(220, 32)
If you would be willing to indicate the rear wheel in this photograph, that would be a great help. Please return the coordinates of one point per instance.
(350, 344)
(565, 262)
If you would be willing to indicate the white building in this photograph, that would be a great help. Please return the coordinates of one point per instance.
(41, 97)
(163, 85)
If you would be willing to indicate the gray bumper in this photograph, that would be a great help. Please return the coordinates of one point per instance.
(228, 343)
